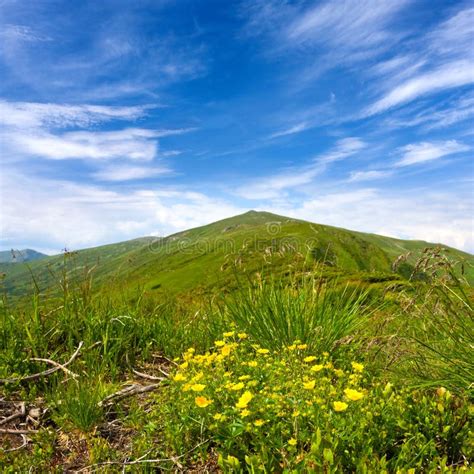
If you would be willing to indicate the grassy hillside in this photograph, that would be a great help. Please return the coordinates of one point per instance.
(208, 257)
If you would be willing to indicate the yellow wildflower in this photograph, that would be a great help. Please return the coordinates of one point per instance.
(309, 385)
(339, 372)
(302, 346)
(237, 386)
(179, 377)
(184, 365)
(253, 363)
(292, 347)
(244, 400)
(229, 334)
(219, 417)
(242, 335)
(309, 359)
(202, 402)
(263, 351)
(259, 422)
(292, 442)
(357, 367)
(219, 343)
(198, 387)
(317, 368)
(225, 351)
(244, 377)
(227, 374)
(340, 406)
(353, 395)
(244, 413)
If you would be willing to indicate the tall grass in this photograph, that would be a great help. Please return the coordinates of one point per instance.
(322, 315)
(440, 330)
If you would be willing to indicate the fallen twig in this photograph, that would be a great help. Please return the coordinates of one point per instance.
(16, 415)
(143, 461)
(25, 443)
(45, 372)
(134, 389)
(147, 376)
(16, 432)
(56, 364)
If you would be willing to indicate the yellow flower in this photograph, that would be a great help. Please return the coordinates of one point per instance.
(202, 402)
(357, 367)
(292, 347)
(244, 400)
(353, 395)
(227, 374)
(225, 351)
(219, 417)
(302, 346)
(237, 386)
(219, 343)
(179, 377)
(253, 363)
(242, 335)
(309, 359)
(184, 365)
(292, 442)
(259, 422)
(340, 406)
(198, 387)
(244, 377)
(244, 413)
(339, 372)
(229, 334)
(263, 351)
(317, 368)
(309, 385)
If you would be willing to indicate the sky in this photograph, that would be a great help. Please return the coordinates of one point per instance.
(126, 118)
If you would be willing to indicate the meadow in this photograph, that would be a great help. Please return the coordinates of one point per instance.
(307, 375)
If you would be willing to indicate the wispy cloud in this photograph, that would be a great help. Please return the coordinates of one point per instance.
(272, 186)
(129, 173)
(298, 128)
(455, 74)
(357, 176)
(424, 152)
(35, 114)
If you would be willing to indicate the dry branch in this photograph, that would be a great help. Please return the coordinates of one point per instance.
(129, 391)
(17, 432)
(147, 376)
(45, 372)
(143, 461)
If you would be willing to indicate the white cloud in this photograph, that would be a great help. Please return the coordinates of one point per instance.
(417, 214)
(299, 127)
(56, 214)
(25, 115)
(347, 25)
(368, 175)
(422, 152)
(273, 186)
(447, 76)
(129, 173)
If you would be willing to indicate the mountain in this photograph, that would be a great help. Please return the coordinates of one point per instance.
(19, 256)
(207, 259)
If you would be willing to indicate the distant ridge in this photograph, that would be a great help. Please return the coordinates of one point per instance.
(20, 256)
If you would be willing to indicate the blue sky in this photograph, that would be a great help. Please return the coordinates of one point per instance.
(121, 119)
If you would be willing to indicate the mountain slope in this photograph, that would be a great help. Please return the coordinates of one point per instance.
(209, 257)
(18, 256)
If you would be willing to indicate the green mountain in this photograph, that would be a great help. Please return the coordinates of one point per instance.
(207, 258)
(19, 256)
